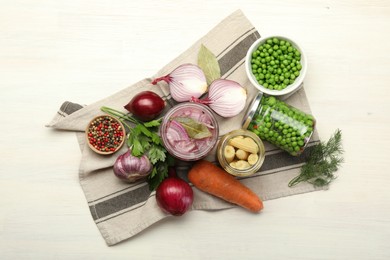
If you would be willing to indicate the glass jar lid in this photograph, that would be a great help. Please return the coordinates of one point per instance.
(251, 110)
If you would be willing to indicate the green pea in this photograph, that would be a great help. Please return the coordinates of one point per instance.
(309, 122)
(271, 101)
(277, 57)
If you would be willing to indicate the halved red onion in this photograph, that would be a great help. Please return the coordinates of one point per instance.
(186, 81)
(226, 97)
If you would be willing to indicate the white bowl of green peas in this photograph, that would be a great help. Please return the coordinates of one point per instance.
(276, 66)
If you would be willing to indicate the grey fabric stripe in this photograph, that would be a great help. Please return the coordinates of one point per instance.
(69, 107)
(237, 53)
(273, 163)
(120, 202)
(283, 159)
(93, 213)
(97, 221)
(227, 47)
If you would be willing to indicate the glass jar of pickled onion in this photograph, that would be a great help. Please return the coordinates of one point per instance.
(189, 131)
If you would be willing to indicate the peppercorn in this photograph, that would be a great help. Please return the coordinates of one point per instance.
(105, 134)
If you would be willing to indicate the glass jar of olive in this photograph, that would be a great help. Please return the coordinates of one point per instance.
(279, 123)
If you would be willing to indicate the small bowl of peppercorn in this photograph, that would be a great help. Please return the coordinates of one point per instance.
(276, 65)
(105, 134)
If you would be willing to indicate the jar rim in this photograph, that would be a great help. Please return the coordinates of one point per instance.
(182, 155)
(252, 108)
(240, 172)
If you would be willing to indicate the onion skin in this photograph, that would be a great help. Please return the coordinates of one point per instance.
(146, 105)
(130, 168)
(174, 196)
(186, 81)
(226, 97)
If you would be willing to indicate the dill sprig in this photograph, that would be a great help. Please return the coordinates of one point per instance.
(323, 160)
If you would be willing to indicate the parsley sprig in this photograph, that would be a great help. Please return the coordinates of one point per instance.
(143, 139)
(323, 161)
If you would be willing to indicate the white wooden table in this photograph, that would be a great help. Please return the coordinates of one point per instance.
(82, 51)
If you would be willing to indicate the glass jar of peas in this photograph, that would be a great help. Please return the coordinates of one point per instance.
(279, 123)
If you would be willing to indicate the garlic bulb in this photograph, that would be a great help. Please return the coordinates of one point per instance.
(130, 168)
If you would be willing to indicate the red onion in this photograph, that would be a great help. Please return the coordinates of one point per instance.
(227, 98)
(186, 81)
(146, 105)
(130, 168)
(174, 195)
(178, 138)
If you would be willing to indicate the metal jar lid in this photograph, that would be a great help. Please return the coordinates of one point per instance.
(252, 108)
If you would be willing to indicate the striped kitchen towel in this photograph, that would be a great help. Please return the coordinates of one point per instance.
(121, 210)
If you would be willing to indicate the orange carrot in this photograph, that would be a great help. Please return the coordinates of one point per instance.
(216, 181)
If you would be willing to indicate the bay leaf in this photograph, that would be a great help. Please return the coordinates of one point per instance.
(209, 64)
(194, 129)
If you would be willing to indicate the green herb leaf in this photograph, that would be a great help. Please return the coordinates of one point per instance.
(155, 137)
(159, 173)
(209, 64)
(137, 149)
(145, 142)
(194, 128)
(153, 123)
(156, 153)
(323, 161)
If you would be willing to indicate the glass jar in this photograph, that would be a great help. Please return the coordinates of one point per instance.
(238, 156)
(279, 123)
(189, 131)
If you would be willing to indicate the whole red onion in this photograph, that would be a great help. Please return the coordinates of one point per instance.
(146, 105)
(174, 195)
